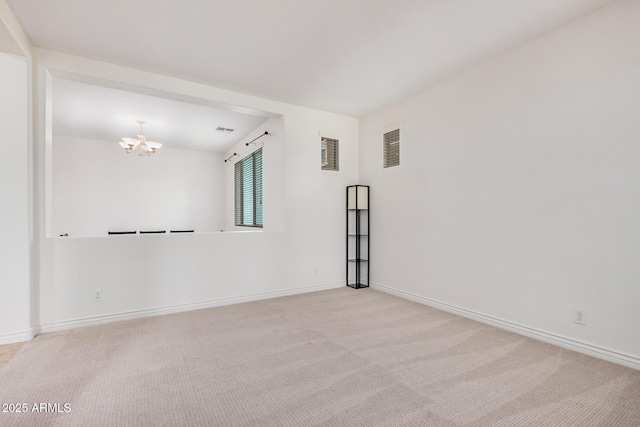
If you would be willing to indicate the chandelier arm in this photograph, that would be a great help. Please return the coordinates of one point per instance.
(141, 146)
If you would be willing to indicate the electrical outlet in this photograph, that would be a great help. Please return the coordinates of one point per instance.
(580, 316)
(97, 296)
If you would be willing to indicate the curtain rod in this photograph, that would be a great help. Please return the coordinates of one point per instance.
(252, 141)
(230, 157)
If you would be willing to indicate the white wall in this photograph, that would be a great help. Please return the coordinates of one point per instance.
(517, 195)
(315, 199)
(14, 200)
(300, 249)
(155, 274)
(97, 188)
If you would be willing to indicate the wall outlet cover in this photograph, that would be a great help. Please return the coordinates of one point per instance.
(580, 316)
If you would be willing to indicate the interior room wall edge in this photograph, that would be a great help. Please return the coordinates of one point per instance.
(517, 176)
(559, 340)
(173, 309)
(280, 260)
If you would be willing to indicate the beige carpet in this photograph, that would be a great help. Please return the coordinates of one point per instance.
(336, 358)
(7, 351)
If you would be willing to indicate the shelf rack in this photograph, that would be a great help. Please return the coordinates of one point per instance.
(358, 236)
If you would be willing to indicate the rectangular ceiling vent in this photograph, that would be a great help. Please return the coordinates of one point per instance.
(221, 129)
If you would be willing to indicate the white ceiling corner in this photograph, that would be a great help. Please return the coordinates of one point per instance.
(88, 111)
(349, 57)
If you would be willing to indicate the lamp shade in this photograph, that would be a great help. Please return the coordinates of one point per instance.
(358, 197)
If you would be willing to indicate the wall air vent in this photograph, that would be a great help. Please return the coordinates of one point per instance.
(221, 129)
(329, 154)
(391, 148)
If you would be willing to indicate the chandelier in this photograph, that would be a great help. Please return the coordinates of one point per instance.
(140, 146)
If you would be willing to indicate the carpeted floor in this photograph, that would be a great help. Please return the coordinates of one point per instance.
(7, 351)
(332, 358)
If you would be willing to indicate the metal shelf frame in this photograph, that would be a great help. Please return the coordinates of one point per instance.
(357, 239)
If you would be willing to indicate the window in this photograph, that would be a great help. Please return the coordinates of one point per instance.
(391, 148)
(329, 154)
(248, 189)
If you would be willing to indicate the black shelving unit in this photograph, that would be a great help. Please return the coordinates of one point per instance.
(358, 197)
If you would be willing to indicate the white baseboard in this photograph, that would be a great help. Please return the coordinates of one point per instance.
(568, 343)
(15, 337)
(138, 314)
